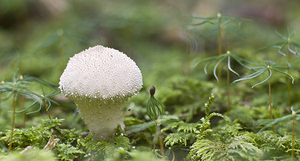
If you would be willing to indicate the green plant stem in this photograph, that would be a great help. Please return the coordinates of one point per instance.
(293, 139)
(220, 39)
(228, 90)
(289, 92)
(22, 97)
(162, 151)
(173, 155)
(24, 114)
(46, 108)
(270, 100)
(61, 50)
(290, 104)
(12, 122)
(289, 81)
(160, 140)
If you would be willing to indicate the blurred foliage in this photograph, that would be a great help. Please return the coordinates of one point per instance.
(34, 155)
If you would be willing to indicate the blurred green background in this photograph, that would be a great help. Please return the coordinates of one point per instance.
(37, 37)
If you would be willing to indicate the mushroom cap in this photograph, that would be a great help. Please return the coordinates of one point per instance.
(102, 73)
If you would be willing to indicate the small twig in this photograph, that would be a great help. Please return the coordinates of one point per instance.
(84, 134)
(51, 143)
(26, 149)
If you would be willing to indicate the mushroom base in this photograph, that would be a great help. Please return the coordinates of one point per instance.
(101, 118)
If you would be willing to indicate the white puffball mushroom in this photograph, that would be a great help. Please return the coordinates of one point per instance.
(99, 80)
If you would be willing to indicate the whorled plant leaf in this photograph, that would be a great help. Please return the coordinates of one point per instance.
(292, 47)
(219, 19)
(154, 108)
(229, 67)
(280, 50)
(270, 74)
(262, 69)
(215, 69)
(281, 119)
(219, 59)
(20, 86)
(287, 74)
(251, 76)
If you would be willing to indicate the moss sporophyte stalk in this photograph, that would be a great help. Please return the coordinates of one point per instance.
(155, 110)
(220, 21)
(287, 47)
(268, 68)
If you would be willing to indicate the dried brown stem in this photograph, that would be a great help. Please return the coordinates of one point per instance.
(270, 99)
(228, 90)
(162, 151)
(46, 108)
(24, 114)
(293, 139)
(289, 81)
(220, 44)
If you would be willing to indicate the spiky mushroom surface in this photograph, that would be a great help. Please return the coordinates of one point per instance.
(99, 80)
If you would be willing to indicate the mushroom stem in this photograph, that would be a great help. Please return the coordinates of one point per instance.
(101, 117)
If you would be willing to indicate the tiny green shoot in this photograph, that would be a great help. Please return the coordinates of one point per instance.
(227, 57)
(268, 68)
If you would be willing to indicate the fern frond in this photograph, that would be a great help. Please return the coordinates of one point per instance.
(204, 150)
(189, 127)
(188, 132)
(179, 138)
(170, 126)
(267, 139)
(239, 147)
